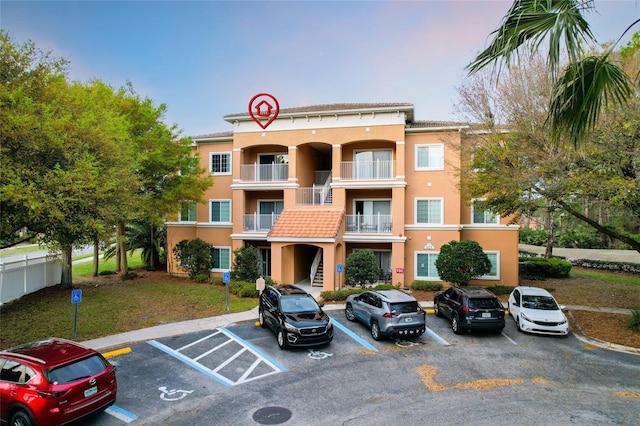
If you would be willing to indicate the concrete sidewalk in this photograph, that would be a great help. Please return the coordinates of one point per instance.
(179, 328)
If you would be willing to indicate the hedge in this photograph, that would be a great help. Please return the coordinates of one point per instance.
(541, 267)
(421, 285)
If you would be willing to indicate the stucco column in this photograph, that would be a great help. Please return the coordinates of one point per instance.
(339, 194)
(400, 161)
(328, 267)
(397, 264)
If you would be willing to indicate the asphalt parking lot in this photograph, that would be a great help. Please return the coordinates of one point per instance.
(178, 371)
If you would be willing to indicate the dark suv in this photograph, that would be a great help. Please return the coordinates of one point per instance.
(295, 317)
(470, 308)
(53, 382)
(388, 313)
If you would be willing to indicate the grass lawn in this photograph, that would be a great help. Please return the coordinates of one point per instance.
(110, 305)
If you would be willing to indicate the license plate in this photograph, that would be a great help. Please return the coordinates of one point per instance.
(91, 391)
(486, 315)
(408, 319)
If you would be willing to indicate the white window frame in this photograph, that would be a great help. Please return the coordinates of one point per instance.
(440, 166)
(230, 260)
(415, 210)
(497, 275)
(415, 263)
(497, 216)
(220, 201)
(229, 162)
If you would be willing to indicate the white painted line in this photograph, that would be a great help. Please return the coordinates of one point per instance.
(198, 341)
(270, 361)
(229, 360)
(121, 414)
(510, 339)
(213, 350)
(435, 336)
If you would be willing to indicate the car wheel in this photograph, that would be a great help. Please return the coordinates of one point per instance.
(261, 319)
(282, 340)
(436, 308)
(21, 418)
(375, 331)
(455, 325)
(348, 312)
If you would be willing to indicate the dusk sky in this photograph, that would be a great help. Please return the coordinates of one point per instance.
(206, 59)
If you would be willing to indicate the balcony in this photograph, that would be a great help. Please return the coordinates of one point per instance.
(367, 170)
(369, 224)
(274, 172)
(259, 222)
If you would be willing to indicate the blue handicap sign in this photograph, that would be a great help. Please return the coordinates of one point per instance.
(339, 268)
(226, 277)
(76, 296)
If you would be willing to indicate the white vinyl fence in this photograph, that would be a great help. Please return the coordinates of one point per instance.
(26, 274)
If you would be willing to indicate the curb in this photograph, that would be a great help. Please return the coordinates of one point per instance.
(579, 333)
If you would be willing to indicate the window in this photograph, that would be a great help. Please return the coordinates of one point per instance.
(429, 210)
(494, 258)
(220, 211)
(221, 163)
(482, 215)
(221, 258)
(430, 157)
(426, 266)
(188, 212)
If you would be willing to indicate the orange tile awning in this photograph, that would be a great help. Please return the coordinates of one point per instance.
(308, 224)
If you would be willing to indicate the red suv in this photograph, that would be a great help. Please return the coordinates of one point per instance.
(52, 382)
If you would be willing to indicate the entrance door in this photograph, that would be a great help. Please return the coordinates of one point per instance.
(264, 267)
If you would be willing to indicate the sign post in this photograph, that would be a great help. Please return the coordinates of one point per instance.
(226, 277)
(339, 271)
(76, 297)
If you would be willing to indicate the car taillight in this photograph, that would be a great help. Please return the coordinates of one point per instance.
(421, 312)
(390, 314)
(465, 309)
(50, 394)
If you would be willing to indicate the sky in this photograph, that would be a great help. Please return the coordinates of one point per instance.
(207, 59)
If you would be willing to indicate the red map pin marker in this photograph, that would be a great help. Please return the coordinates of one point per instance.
(263, 109)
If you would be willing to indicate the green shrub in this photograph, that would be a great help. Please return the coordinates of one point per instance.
(608, 265)
(537, 267)
(243, 289)
(245, 264)
(501, 289)
(361, 268)
(201, 277)
(421, 285)
(634, 322)
(129, 276)
(333, 295)
(216, 280)
(109, 272)
(461, 261)
(534, 237)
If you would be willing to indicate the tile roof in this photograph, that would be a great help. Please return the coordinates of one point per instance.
(219, 135)
(307, 224)
(425, 124)
(331, 107)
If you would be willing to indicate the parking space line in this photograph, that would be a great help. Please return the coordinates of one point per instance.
(198, 341)
(197, 366)
(121, 414)
(210, 351)
(270, 361)
(435, 336)
(353, 335)
(229, 360)
(510, 339)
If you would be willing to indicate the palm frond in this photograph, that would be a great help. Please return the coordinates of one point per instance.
(581, 93)
(528, 23)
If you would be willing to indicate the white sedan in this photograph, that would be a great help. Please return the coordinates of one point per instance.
(536, 311)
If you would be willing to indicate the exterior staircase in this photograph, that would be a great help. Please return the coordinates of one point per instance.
(317, 280)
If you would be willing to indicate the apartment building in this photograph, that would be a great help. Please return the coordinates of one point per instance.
(321, 182)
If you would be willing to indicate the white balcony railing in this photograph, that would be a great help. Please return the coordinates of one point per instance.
(314, 196)
(369, 224)
(366, 170)
(259, 222)
(273, 172)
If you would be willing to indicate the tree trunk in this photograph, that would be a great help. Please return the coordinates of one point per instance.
(548, 252)
(118, 238)
(96, 254)
(122, 244)
(66, 280)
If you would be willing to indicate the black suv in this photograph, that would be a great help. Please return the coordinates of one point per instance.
(470, 308)
(295, 317)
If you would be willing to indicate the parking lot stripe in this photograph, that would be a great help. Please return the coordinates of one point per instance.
(353, 335)
(121, 414)
(273, 363)
(199, 341)
(201, 368)
(435, 337)
(510, 339)
(210, 351)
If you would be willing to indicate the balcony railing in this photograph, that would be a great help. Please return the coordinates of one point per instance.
(314, 196)
(259, 222)
(273, 172)
(366, 170)
(369, 224)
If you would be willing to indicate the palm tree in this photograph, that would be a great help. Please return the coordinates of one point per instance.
(586, 85)
(148, 236)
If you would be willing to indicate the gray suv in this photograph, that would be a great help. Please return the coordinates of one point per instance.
(389, 313)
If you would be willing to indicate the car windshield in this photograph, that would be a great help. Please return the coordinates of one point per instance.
(297, 304)
(404, 307)
(544, 303)
(484, 303)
